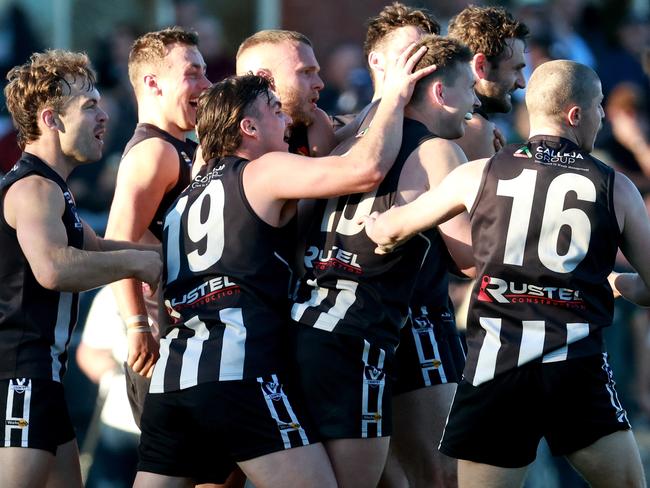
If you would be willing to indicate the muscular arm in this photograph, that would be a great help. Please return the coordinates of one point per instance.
(34, 206)
(425, 169)
(454, 194)
(147, 172)
(280, 176)
(635, 232)
(92, 242)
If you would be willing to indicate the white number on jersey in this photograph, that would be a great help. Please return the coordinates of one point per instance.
(210, 228)
(522, 191)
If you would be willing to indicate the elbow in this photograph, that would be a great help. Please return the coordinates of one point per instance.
(49, 276)
(369, 180)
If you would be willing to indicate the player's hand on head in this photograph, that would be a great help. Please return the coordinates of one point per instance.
(399, 77)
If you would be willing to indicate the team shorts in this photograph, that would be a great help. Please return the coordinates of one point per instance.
(34, 414)
(202, 432)
(430, 351)
(345, 382)
(137, 387)
(571, 403)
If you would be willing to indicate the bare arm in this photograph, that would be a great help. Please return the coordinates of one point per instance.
(281, 176)
(148, 171)
(439, 157)
(635, 232)
(34, 206)
(454, 194)
(92, 242)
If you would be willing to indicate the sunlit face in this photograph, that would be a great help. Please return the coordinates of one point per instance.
(83, 124)
(270, 122)
(495, 92)
(459, 99)
(591, 120)
(296, 79)
(181, 80)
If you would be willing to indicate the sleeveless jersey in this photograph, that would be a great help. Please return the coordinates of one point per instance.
(185, 149)
(545, 237)
(225, 287)
(35, 323)
(432, 285)
(347, 287)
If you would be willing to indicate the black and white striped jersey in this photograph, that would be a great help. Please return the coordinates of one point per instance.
(348, 288)
(225, 286)
(35, 323)
(185, 150)
(545, 237)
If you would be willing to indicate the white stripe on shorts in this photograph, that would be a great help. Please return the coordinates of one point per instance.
(377, 414)
(283, 427)
(22, 422)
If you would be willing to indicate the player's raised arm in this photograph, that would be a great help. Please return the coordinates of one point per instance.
(366, 164)
(454, 194)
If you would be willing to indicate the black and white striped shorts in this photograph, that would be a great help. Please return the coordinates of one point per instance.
(34, 414)
(571, 403)
(346, 382)
(430, 351)
(202, 431)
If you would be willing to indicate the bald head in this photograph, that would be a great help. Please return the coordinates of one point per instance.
(556, 86)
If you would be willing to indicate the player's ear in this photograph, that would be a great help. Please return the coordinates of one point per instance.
(247, 126)
(438, 92)
(265, 73)
(480, 66)
(376, 61)
(151, 83)
(50, 119)
(574, 116)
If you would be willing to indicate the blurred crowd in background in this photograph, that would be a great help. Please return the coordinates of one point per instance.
(613, 37)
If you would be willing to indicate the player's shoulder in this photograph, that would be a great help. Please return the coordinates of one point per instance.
(153, 152)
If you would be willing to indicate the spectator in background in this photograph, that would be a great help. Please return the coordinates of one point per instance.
(94, 185)
(220, 64)
(348, 87)
(17, 41)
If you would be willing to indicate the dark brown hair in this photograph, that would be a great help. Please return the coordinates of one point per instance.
(447, 54)
(44, 81)
(486, 30)
(220, 110)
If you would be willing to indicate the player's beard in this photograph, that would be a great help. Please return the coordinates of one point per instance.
(495, 99)
(297, 107)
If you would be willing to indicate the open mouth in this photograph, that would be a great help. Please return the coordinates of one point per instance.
(194, 103)
(99, 134)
